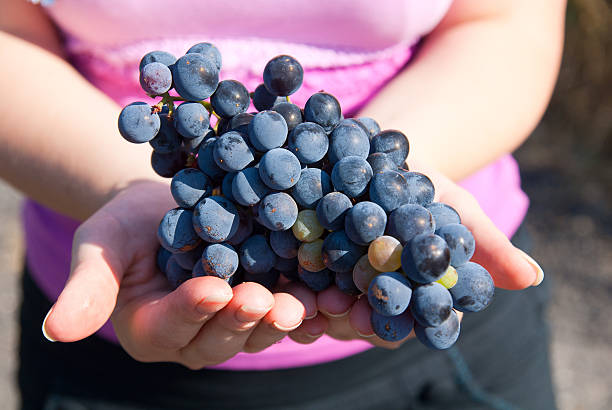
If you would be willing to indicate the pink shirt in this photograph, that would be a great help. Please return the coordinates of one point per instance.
(350, 48)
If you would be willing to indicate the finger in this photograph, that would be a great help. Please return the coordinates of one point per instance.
(225, 335)
(333, 303)
(304, 295)
(310, 330)
(286, 316)
(359, 320)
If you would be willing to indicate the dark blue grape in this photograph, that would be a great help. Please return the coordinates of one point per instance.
(167, 139)
(220, 260)
(215, 219)
(408, 221)
(365, 222)
(440, 337)
(346, 140)
(223, 125)
(290, 112)
(198, 270)
(195, 76)
(155, 78)
(283, 75)
(284, 244)
(206, 161)
(263, 100)
(163, 57)
(426, 258)
(267, 279)
(167, 165)
(311, 187)
(230, 98)
(245, 229)
(287, 267)
(192, 146)
(324, 109)
(175, 274)
(420, 188)
(188, 186)
(191, 120)
(240, 123)
(207, 50)
(175, 231)
(316, 281)
(340, 253)
(248, 188)
(393, 143)
(278, 211)
(231, 152)
(309, 142)
(389, 293)
(371, 125)
(226, 186)
(389, 190)
(380, 162)
(279, 169)
(332, 209)
(138, 123)
(443, 214)
(431, 304)
(392, 328)
(460, 243)
(351, 176)
(256, 256)
(188, 259)
(344, 281)
(267, 130)
(162, 257)
(474, 289)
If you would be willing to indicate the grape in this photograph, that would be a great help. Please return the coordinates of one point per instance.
(324, 109)
(408, 221)
(365, 222)
(393, 143)
(188, 259)
(163, 57)
(443, 214)
(449, 279)
(311, 187)
(439, 337)
(188, 186)
(290, 112)
(420, 189)
(240, 122)
(460, 243)
(263, 100)
(223, 125)
(287, 266)
(340, 253)
(389, 190)
(206, 161)
(161, 258)
(215, 219)
(256, 256)
(230, 98)
(192, 146)
(307, 227)
(389, 293)
(310, 256)
(348, 139)
(231, 152)
(363, 273)
(284, 244)
(175, 274)
(431, 304)
(344, 282)
(309, 142)
(175, 231)
(138, 123)
(155, 78)
(380, 162)
(167, 139)
(245, 229)
(198, 270)
(332, 209)
(392, 328)
(371, 125)
(207, 50)
(283, 75)
(278, 211)
(195, 76)
(279, 169)
(385, 254)
(266, 279)
(220, 260)
(474, 288)
(226, 186)
(191, 120)
(426, 258)
(351, 176)
(316, 281)
(267, 130)
(167, 165)
(248, 188)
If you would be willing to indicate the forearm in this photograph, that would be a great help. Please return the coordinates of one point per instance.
(478, 86)
(59, 134)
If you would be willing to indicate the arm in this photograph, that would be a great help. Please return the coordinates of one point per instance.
(59, 134)
(478, 86)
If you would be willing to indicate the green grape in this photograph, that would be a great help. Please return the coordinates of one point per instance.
(363, 273)
(309, 256)
(449, 279)
(307, 227)
(385, 254)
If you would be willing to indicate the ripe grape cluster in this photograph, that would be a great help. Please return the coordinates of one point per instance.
(302, 193)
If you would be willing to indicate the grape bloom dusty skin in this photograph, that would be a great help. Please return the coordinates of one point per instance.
(306, 194)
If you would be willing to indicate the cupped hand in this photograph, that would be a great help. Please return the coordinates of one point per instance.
(202, 323)
(348, 317)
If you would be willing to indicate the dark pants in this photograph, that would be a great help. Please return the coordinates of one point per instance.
(506, 349)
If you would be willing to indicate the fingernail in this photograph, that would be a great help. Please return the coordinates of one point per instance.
(364, 336)
(318, 335)
(44, 331)
(277, 326)
(312, 316)
(246, 313)
(536, 267)
(337, 315)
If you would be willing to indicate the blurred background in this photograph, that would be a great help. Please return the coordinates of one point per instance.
(567, 172)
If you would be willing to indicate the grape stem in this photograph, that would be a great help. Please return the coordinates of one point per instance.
(287, 98)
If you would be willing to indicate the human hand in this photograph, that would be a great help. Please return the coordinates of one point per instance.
(202, 323)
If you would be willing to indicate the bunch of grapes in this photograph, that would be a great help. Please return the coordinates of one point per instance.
(302, 193)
